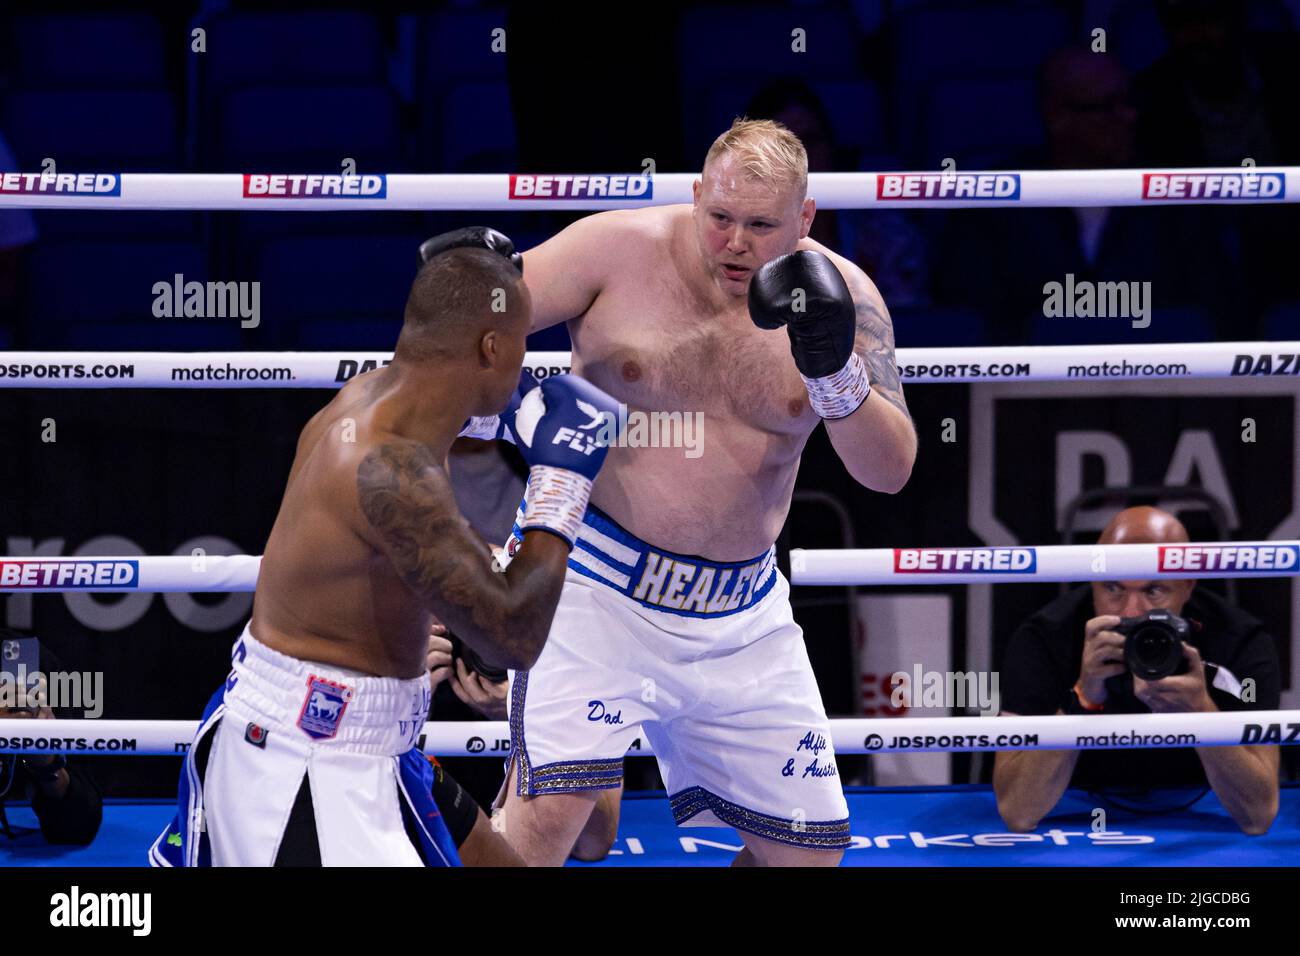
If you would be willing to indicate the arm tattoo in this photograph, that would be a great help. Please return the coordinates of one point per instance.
(408, 500)
(874, 344)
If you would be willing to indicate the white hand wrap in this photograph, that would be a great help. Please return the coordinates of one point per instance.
(556, 500)
(840, 394)
(481, 426)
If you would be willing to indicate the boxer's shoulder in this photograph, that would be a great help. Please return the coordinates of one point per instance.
(396, 482)
(855, 276)
(617, 232)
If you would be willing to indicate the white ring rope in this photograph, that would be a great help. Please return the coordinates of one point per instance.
(201, 571)
(1032, 363)
(868, 735)
(951, 189)
(1056, 562)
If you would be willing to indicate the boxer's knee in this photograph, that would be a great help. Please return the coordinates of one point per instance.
(542, 829)
(598, 836)
(761, 852)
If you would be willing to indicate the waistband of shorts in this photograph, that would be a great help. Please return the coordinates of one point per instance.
(681, 584)
(324, 703)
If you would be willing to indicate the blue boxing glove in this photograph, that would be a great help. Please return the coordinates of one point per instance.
(563, 429)
(489, 427)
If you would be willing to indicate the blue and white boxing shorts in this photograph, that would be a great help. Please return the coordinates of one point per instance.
(304, 764)
(704, 657)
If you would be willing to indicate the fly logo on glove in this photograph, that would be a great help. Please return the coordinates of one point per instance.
(576, 439)
(558, 429)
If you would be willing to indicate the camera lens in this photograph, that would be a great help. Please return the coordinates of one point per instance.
(1153, 652)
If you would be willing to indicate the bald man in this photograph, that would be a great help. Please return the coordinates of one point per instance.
(1069, 659)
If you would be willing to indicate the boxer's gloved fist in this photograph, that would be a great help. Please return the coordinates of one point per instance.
(804, 292)
(562, 429)
(472, 237)
(488, 427)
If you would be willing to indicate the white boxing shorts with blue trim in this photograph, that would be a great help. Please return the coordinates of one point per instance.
(303, 764)
(706, 659)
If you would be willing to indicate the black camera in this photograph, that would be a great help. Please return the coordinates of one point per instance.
(474, 663)
(1153, 644)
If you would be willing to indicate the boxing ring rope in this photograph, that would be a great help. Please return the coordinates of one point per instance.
(866, 735)
(951, 189)
(1032, 363)
(200, 571)
(1056, 562)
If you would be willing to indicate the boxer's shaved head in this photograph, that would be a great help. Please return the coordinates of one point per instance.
(458, 296)
(1144, 525)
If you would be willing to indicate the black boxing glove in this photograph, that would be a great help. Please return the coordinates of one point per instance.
(472, 237)
(822, 329)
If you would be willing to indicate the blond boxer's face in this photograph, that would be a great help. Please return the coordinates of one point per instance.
(742, 222)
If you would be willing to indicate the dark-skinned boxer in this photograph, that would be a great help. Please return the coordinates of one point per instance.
(307, 755)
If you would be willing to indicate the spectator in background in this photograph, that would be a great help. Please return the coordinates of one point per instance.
(17, 233)
(999, 260)
(1223, 97)
(63, 795)
(1218, 96)
(885, 243)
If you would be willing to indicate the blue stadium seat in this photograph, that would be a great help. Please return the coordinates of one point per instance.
(156, 335)
(353, 279)
(94, 130)
(103, 280)
(1134, 34)
(926, 327)
(264, 49)
(935, 44)
(977, 121)
(720, 42)
(88, 51)
(476, 124)
(857, 112)
(720, 47)
(456, 45)
(342, 334)
(1281, 322)
(855, 107)
(309, 129)
(127, 224)
(1167, 325)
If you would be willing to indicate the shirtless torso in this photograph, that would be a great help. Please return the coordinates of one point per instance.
(326, 592)
(655, 340)
(369, 545)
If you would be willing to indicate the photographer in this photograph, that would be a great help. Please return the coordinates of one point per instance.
(1070, 658)
(64, 797)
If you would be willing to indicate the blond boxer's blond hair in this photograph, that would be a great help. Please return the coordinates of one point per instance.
(766, 150)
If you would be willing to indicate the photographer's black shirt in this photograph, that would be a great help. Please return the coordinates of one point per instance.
(1042, 661)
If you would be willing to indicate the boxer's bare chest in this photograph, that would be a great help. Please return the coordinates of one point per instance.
(650, 343)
